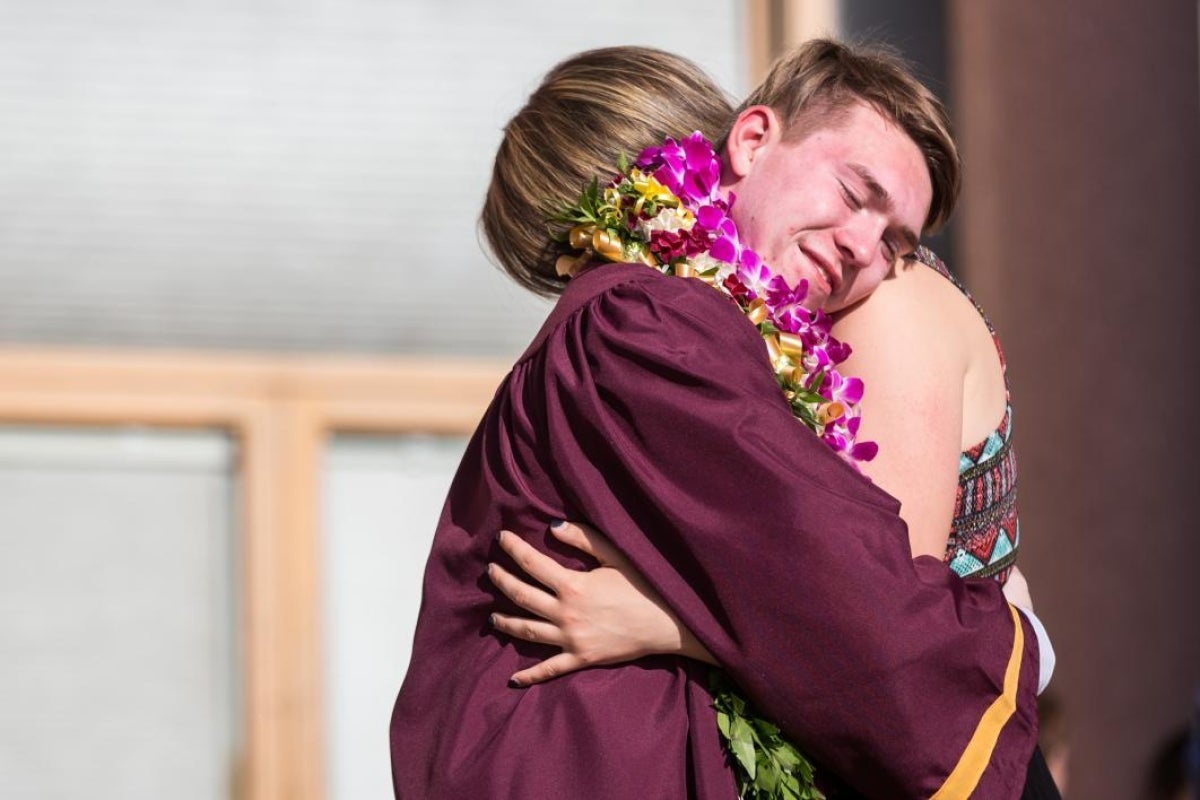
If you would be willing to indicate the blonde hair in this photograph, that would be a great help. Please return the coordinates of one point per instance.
(589, 111)
(812, 84)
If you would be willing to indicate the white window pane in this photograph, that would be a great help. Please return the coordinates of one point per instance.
(382, 498)
(117, 655)
(282, 175)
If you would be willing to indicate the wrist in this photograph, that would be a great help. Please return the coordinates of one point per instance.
(690, 647)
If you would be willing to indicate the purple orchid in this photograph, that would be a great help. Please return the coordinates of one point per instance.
(786, 306)
(863, 451)
(847, 391)
(757, 276)
(690, 169)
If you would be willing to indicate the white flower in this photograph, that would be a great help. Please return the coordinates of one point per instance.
(668, 219)
(704, 262)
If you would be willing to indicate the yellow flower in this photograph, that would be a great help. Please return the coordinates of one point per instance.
(649, 187)
(651, 191)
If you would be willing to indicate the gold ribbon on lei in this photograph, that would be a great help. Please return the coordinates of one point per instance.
(784, 349)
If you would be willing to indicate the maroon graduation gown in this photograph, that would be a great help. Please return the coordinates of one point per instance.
(646, 406)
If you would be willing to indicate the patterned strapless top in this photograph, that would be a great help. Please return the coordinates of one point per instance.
(985, 532)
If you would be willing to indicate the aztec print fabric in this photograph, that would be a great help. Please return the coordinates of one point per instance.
(985, 532)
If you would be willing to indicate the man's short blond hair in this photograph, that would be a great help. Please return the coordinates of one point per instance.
(810, 88)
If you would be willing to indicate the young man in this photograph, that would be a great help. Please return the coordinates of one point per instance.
(645, 407)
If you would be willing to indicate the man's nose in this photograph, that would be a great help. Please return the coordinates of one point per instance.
(858, 240)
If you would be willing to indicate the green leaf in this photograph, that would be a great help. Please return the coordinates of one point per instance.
(768, 775)
(765, 728)
(589, 201)
(743, 745)
(765, 764)
(788, 757)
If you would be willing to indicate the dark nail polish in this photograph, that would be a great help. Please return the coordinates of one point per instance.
(557, 523)
(492, 620)
(515, 684)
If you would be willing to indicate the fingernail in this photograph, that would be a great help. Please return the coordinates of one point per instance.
(499, 535)
(490, 568)
(492, 620)
(516, 684)
(557, 523)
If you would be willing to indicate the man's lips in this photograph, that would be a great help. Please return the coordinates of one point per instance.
(828, 273)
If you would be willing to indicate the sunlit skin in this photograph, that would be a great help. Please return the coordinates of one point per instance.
(837, 207)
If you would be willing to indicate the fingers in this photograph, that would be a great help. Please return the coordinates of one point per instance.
(541, 567)
(529, 630)
(589, 540)
(553, 667)
(525, 595)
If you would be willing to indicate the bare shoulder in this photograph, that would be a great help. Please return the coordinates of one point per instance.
(918, 336)
(914, 306)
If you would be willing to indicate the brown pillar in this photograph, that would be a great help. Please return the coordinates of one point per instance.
(1080, 233)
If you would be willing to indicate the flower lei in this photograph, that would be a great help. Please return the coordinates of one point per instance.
(665, 211)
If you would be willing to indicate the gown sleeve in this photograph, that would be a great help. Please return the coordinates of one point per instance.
(668, 432)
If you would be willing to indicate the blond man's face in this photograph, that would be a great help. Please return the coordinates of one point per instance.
(836, 208)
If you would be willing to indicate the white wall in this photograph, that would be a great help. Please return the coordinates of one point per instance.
(268, 175)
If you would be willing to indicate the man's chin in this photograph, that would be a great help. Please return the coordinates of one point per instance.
(816, 301)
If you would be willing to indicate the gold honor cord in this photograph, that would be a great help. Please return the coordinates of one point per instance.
(974, 760)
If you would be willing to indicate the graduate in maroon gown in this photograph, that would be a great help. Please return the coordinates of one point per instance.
(646, 406)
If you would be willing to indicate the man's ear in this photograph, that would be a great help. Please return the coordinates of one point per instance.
(754, 129)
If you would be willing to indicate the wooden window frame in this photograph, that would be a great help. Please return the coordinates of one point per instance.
(281, 410)
(775, 26)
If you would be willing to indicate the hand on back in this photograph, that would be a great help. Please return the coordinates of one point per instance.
(607, 615)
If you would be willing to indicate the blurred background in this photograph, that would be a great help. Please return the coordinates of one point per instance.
(246, 325)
